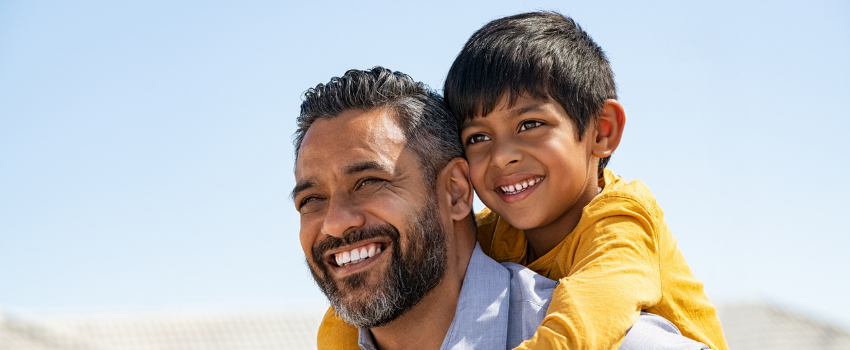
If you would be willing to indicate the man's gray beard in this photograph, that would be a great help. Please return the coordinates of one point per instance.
(410, 276)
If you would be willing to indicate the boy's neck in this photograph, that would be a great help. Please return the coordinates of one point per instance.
(543, 239)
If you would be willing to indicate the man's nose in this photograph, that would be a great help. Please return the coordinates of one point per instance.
(343, 216)
(505, 152)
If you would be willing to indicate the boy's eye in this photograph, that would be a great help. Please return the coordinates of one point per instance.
(475, 138)
(529, 124)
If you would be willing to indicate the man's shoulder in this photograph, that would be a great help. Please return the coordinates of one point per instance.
(531, 293)
(527, 278)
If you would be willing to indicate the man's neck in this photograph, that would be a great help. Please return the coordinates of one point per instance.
(422, 327)
(426, 324)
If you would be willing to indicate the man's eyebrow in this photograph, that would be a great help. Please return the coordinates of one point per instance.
(301, 187)
(352, 169)
(366, 166)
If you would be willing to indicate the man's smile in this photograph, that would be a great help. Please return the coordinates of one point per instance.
(357, 254)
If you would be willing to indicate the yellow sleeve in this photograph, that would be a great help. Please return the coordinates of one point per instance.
(335, 334)
(612, 270)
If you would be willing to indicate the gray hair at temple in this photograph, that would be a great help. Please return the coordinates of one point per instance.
(429, 127)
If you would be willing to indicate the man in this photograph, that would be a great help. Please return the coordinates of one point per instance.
(387, 227)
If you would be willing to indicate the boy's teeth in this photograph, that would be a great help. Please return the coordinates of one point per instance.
(519, 187)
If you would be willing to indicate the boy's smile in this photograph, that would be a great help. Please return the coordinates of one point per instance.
(517, 187)
(528, 165)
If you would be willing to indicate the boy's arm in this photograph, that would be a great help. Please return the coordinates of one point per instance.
(614, 274)
(334, 333)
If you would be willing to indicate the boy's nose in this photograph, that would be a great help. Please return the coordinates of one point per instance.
(504, 154)
(343, 216)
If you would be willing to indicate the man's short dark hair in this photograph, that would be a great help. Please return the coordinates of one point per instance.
(539, 55)
(429, 127)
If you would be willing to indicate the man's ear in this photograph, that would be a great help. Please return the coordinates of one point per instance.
(457, 188)
(609, 128)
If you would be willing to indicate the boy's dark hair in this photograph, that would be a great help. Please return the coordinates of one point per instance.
(429, 127)
(538, 54)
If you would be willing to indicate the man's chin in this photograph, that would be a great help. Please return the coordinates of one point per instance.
(360, 286)
(366, 306)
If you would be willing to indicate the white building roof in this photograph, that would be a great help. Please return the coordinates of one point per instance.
(747, 326)
(162, 332)
(764, 326)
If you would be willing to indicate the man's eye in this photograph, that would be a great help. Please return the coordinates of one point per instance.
(306, 201)
(476, 138)
(529, 124)
(369, 181)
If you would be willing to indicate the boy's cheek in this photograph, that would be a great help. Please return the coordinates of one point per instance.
(477, 173)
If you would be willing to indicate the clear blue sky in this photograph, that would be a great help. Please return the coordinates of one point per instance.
(146, 157)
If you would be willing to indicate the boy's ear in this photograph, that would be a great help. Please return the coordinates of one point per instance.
(609, 128)
(458, 188)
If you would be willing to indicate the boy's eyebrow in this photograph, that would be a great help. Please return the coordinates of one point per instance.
(526, 109)
(515, 113)
(470, 123)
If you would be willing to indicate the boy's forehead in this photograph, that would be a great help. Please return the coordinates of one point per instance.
(508, 107)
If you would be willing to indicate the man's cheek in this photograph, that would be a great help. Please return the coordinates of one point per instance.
(307, 240)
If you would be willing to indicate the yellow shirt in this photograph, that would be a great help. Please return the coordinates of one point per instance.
(620, 259)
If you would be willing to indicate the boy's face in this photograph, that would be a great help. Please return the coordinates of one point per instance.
(528, 165)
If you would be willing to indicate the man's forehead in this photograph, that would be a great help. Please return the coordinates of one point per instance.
(353, 137)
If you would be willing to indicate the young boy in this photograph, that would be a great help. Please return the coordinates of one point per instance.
(536, 102)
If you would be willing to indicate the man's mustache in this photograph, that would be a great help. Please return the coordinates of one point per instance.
(355, 236)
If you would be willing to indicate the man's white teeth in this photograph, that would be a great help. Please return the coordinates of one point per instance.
(357, 255)
(521, 186)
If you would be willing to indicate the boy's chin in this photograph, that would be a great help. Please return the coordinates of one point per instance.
(520, 219)
(524, 224)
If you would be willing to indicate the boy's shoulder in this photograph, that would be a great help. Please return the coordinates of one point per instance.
(486, 217)
(498, 239)
(619, 193)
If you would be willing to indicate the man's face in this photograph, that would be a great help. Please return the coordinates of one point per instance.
(369, 224)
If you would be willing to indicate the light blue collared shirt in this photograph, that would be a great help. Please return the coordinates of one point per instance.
(501, 305)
